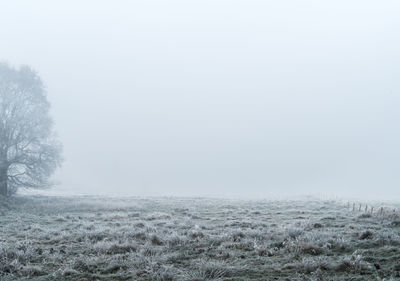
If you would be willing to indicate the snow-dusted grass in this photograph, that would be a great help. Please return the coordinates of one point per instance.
(95, 238)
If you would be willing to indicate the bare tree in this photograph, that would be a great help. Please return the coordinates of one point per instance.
(29, 151)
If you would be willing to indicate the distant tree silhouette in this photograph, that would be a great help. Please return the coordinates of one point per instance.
(29, 151)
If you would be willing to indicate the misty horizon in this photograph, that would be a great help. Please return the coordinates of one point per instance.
(217, 98)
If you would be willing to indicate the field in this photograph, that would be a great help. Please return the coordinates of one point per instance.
(100, 238)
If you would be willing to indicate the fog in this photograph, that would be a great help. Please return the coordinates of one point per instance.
(246, 99)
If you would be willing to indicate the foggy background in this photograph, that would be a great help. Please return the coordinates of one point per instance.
(245, 99)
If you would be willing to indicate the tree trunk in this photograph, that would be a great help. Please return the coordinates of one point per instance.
(3, 181)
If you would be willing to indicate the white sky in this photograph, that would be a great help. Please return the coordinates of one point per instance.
(215, 97)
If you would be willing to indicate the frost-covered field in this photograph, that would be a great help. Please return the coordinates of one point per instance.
(93, 238)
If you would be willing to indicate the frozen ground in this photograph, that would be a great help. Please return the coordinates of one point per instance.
(99, 238)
